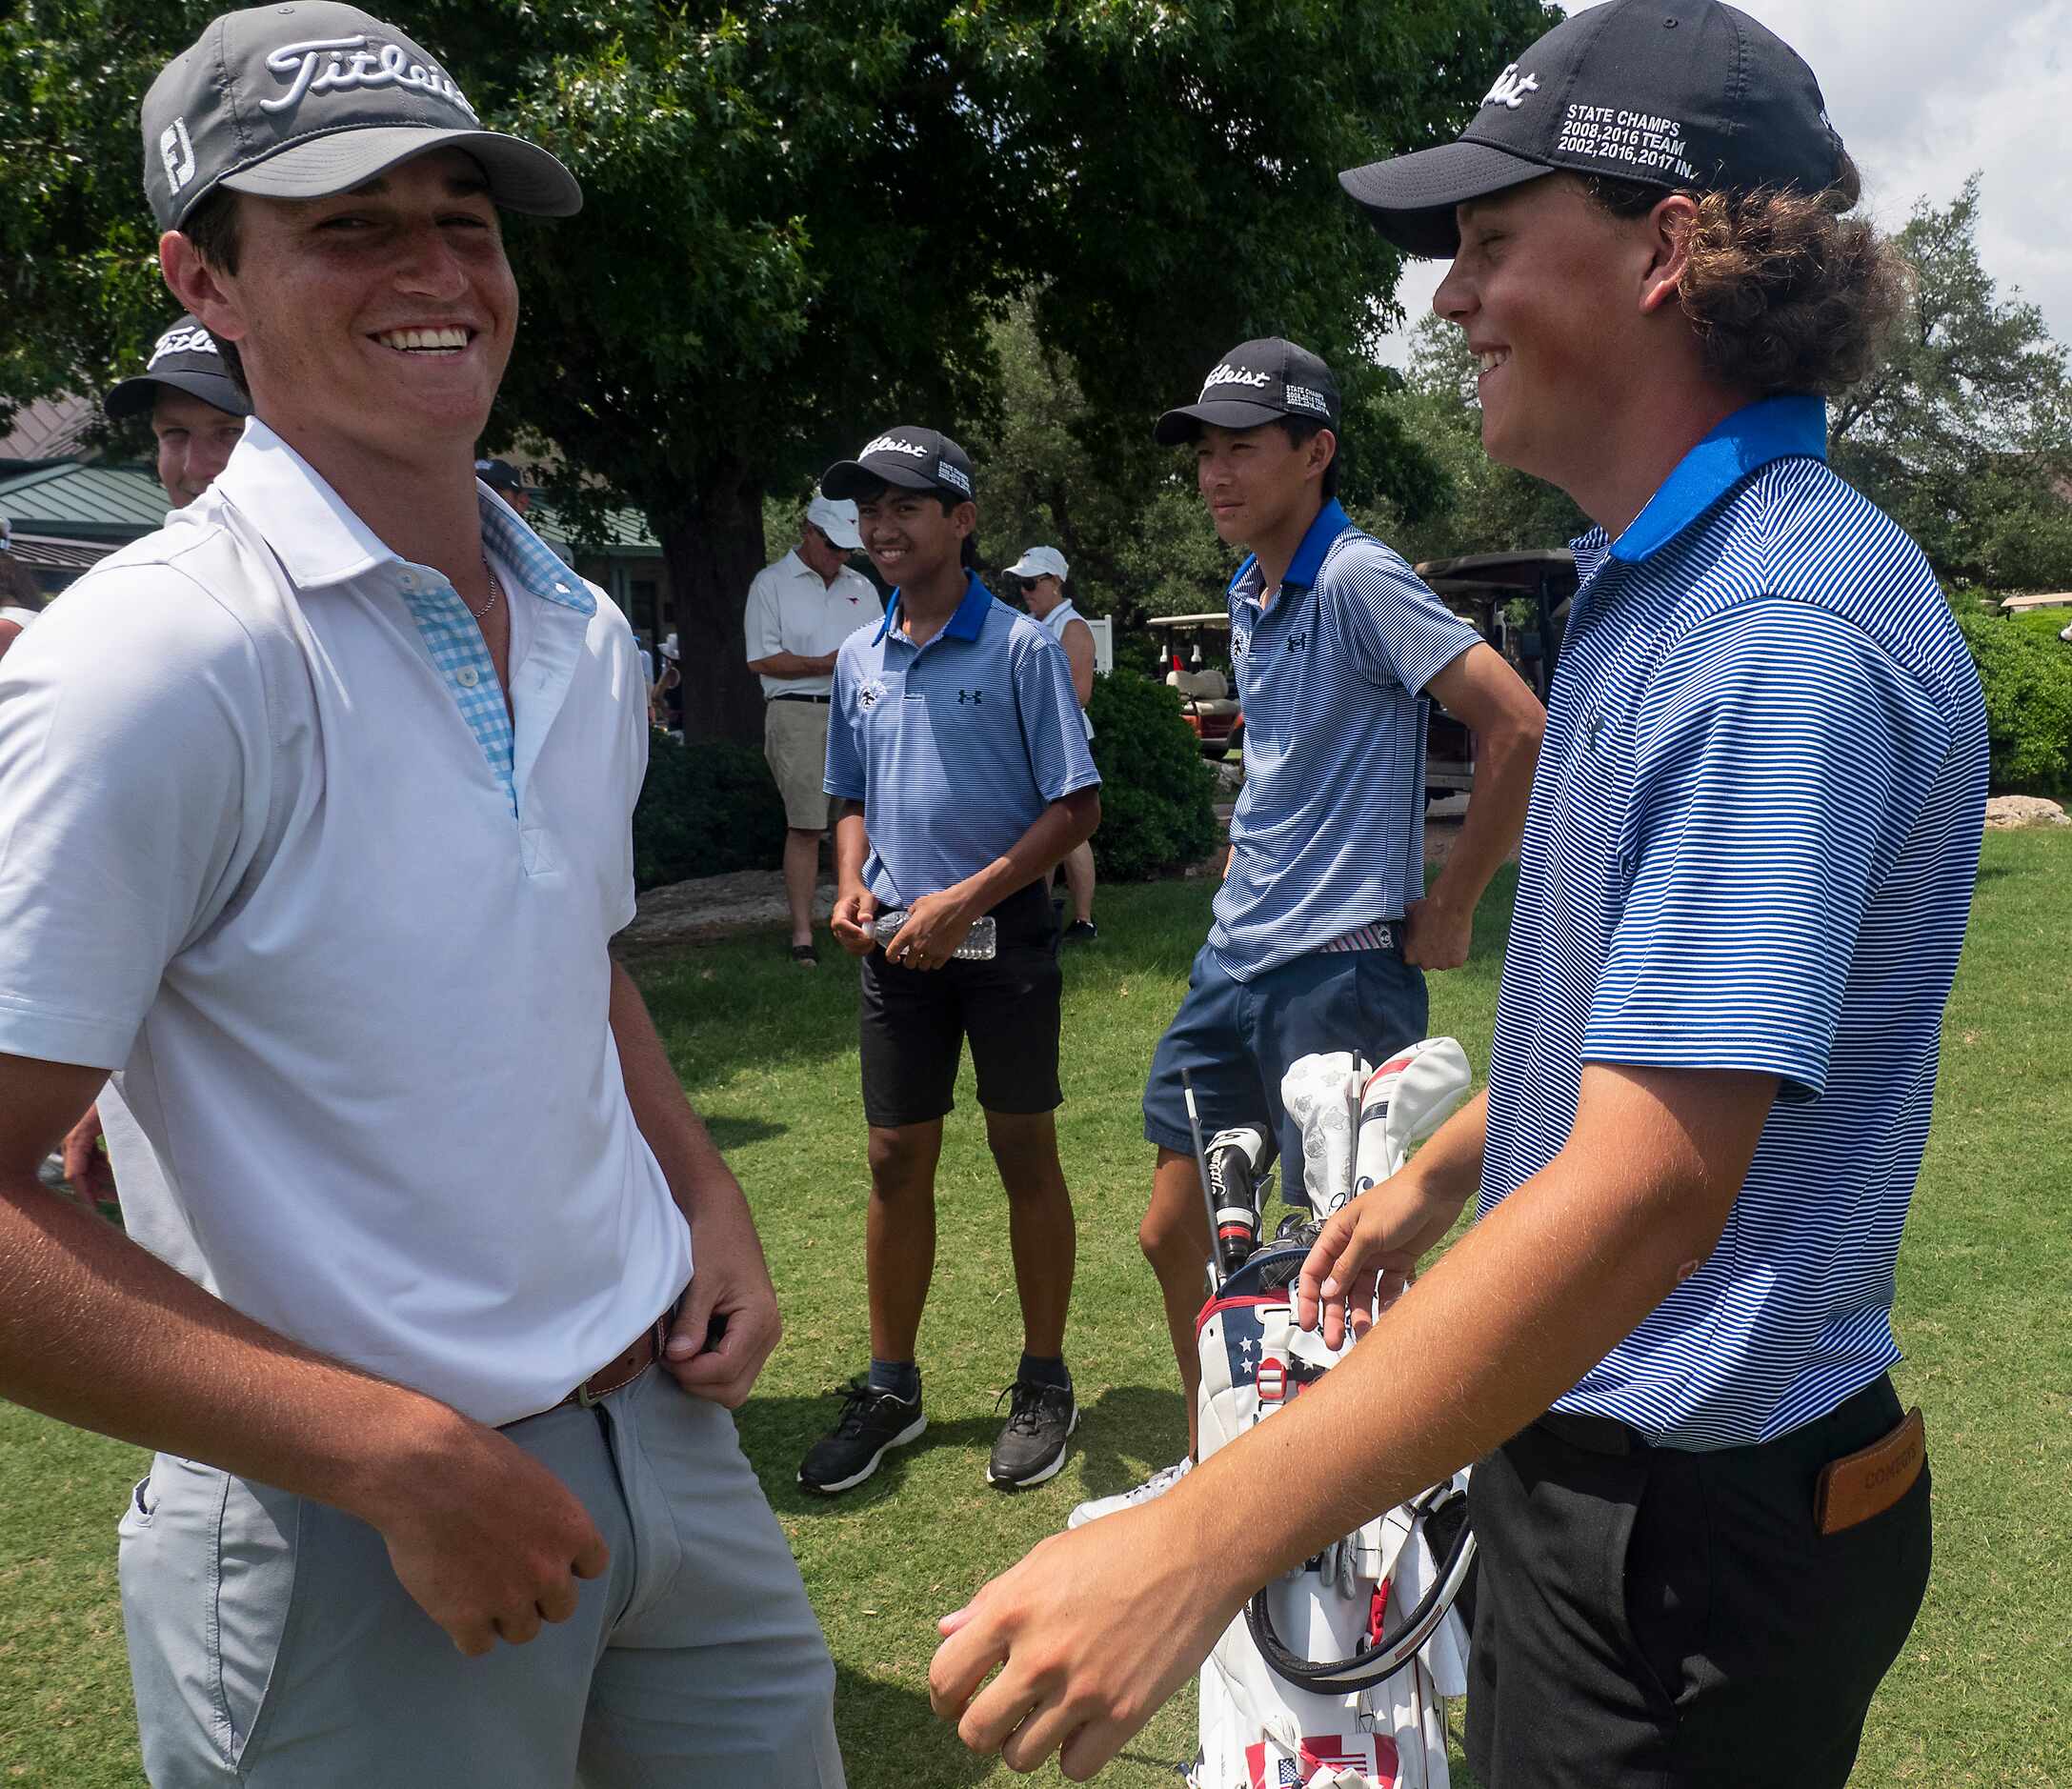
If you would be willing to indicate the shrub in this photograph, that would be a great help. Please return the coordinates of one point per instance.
(1157, 796)
(2027, 676)
(705, 809)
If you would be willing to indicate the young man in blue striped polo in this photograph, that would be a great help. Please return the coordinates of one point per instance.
(1744, 882)
(956, 748)
(1323, 928)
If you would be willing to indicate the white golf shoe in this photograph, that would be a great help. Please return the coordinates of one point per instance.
(1155, 1486)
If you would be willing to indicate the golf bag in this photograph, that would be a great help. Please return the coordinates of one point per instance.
(1335, 1676)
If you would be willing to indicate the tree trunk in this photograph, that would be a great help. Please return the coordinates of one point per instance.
(714, 547)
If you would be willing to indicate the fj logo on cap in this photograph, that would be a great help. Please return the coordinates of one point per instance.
(1228, 374)
(177, 152)
(331, 64)
(892, 444)
(1511, 88)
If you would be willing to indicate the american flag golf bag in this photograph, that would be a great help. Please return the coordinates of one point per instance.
(1336, 1674)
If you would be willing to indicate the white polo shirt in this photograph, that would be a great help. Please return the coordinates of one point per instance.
(790, 611)
(339, 926)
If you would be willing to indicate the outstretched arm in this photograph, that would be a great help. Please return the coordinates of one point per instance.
(1098, 1626)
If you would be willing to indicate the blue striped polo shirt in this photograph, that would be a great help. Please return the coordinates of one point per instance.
(1328, 834)
(1751, 845)
(955, 748)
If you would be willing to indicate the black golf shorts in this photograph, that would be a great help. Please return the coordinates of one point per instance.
(915, 1021)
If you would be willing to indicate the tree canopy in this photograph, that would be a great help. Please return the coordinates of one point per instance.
(803, 222)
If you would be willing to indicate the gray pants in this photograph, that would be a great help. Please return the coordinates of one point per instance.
(272, 1645)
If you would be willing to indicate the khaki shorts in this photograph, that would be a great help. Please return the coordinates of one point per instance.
(794, 741)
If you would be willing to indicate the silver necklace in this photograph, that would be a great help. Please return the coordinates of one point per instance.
(497, 590)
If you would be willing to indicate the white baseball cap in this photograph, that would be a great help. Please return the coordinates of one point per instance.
(1039, 562)
(836, 520)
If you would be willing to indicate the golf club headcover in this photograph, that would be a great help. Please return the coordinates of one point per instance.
(1240, 1160)
(1319, 1091)
(1402, 1102)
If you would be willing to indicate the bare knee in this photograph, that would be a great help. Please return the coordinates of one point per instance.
(902, 1160)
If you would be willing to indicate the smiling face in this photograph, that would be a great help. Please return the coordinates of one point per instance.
(1256, 482)
(1544, 287)
(910, 537)
(378, 321)
(194, 443)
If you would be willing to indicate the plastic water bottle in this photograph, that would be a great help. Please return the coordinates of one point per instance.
(979, 944)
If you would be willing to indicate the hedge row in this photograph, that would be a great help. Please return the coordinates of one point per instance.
(711, 808)
(2027, 671)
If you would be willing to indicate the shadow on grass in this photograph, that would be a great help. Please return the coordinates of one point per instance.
(875, 1720)
(1117, 1428)
(731, 1133)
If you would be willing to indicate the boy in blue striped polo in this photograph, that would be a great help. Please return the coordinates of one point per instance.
(1322, 927)
(1744, 882)
(956, 747)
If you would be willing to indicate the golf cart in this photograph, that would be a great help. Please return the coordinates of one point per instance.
(1206, 702)
(1518, 603)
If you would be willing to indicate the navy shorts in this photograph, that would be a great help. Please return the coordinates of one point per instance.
(1236, 1038)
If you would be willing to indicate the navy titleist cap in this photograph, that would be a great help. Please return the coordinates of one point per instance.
(308, 98)
(1675, 93)
(498, 474)
(915, 459)
(1262, 381)
(187, 359)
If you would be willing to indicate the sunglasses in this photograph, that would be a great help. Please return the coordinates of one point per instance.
(1024, 585)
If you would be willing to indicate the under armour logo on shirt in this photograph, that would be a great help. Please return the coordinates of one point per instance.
(969, 696)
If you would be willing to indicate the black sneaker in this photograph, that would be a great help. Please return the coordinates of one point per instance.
(1032, 1447)
(872, 1422)
(1081, 932)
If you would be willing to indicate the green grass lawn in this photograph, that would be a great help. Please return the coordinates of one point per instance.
(767, 1053)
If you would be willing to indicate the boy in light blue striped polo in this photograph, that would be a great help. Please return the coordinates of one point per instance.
(1744, 882)
(1322, 927)
(958, 753)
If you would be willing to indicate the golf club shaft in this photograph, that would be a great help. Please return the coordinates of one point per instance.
(1201, 1174)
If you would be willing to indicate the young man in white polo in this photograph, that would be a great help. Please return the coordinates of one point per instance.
(1038, 577)
(436, 1296)
(1324, 927)
(1704, 1523)
(956, 752)
(800, 610)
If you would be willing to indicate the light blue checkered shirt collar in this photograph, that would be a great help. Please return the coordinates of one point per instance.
(322, 542)
(1790, 426)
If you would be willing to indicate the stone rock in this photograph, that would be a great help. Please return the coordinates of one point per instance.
(2004, 812)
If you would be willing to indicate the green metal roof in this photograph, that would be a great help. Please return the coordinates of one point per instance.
(90, 502)
(119, 503)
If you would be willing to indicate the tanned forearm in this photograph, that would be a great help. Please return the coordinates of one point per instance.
(1057, 832)
(792, 664)
(1504, 762)
(1516, 1312)
(97, 1332)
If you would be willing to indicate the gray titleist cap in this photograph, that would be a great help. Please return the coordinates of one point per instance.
(302, 100)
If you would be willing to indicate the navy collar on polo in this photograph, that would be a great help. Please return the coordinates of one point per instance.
(1791, 427)
(1331, 522)
(964, 625)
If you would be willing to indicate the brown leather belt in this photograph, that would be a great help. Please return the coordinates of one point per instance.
(624, 1368)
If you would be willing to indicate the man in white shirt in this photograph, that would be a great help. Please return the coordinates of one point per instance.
(800, 612)
(1040, 576)
(324, 868)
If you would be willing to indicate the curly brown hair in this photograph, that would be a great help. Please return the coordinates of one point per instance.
(1787, 294)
